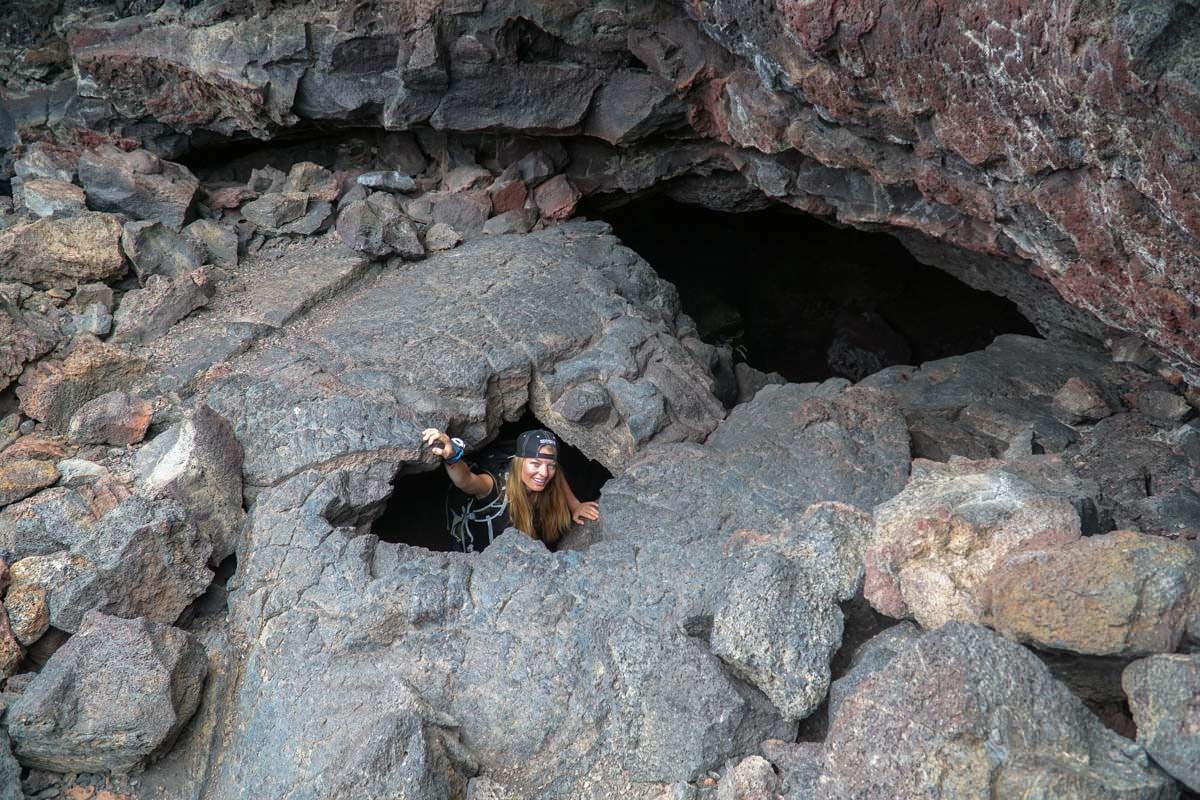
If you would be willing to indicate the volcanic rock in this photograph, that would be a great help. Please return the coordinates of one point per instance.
(46, 197)
(752, 779)
(148, 313)
(155, 249)
(115, 418)
(28, 612)
(311, 180)
(938, 541)
(441, 237)
(1162, 692)
(376, 226)
(20, 478)
(63, 250)
(1081, 401)
(519, 220)
(465, 212)
(116, 694)
(139, 184)
(198, 462)
(220, 242)
(998, 723)
(556, 198)
(41, 160)
(24, 337)
(274, 210)
(388, 180)
(11, 651)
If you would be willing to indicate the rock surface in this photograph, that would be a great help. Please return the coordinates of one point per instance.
(1163, 692)
(115, 694)
(63, 250)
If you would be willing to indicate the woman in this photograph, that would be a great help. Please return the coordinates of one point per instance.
(530, 493)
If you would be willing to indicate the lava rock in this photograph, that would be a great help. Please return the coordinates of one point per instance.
(1162, 692)
(313, 181)
(1163, 406)
(115, 418)
(1120, 594)
(1080, 400)
(465, 212)
(139, 184)
(155, 249)
(441, 237)
(116, 694)
(94, 320)
(46, 197)
(752, 779)
(556, 198)
(377, 227)
(274, 210)
(52, 391)
(998, 723)
(937, 542)
(519, 220)
(388, 180)
(42, 160)
(28, 612)
(220, 242)
(67, 250)
(20, 478)
(198, 462)
(148, 313)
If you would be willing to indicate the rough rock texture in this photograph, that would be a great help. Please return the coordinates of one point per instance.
(198, 462)
(367, 371)
(115, 418)
(1122, 593)
(376, 226)
(20, 478)
(155, 249)
(52, 391)
(116, 693)
(67, 250)
(148, 313)
(938, 541)
(139, 184)
(997, 725)
(1164, 694)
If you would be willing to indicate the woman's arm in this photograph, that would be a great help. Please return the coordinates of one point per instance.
(474, 484)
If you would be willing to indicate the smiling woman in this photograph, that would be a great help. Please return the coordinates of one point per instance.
(530, 492)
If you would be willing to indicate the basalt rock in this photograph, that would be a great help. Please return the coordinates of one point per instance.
(115, 694)
(139, 184)
(1162, 692)
(51, 392)
(69, 250)
(155, 249)
(149, 312)
(115, 418)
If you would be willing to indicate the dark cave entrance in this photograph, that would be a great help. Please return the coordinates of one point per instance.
(798, 296)
(416, 512)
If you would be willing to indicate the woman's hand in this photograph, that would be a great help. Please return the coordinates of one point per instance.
(585, 511)
(438, 443)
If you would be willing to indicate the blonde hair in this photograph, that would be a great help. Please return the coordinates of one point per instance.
(550, 505)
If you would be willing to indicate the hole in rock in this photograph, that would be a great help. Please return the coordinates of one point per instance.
(416, 512)
(795, 295)
(215, 600)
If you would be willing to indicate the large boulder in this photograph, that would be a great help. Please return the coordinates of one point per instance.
(139, 184)
(156, 249)
(1163, 692)
(114, 418)
(198, 461)
(937, 542)
(1120, 594)
(377, 227)
(147, 313)
(52, 391)
(995, 724)
(69, 250)
(116, 694)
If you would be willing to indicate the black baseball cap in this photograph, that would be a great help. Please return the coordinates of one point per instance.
(531, 442)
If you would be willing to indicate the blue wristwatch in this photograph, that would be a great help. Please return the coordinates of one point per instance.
(461, 447)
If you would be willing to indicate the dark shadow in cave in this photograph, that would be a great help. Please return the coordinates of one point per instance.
(416, 512)
(795, 295)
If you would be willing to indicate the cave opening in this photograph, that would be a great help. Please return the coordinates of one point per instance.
(416, 511)
(792, 294)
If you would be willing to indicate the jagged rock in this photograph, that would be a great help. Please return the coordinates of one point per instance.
(556, 198)
(1162, 692)
(42, 160)
(376, 226)
(631, 104)
(28, 612)
(10, 771)
(220, 242)
(465, 212)
(274, 210)
(388, 180)
(93, 293)
(198, 462)
(750, 380)
(937, 542)
(94, 320)
(147, 313)
(1120, 594)
(116, 694)
(63, 250)
(11, 651)
(997, 724)
(267, 180)
(441, 237)
(1162, 406)
(508, 192)
(138, 183)
(872, 657)
(752, 779)
(35, 446)
(50, 520)
(155, 249)
(519, 220)
(313, 181)
(141, 559)
(46, 197)
(79, 471)
(1080, 400)
(24, 336)
(20, 478)
(391, 351)
(114, 418)
(465, 178)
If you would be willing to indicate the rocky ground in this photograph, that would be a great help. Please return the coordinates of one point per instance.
(974, 577)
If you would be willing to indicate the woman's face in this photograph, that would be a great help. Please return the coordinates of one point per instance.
(536, 473)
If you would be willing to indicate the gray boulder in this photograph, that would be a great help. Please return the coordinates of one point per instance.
(198, 461)
(116, 694)
(139, 184)
(220, 242)
(155, 249)
(997, 725)
(376, 226)
(1162, 692)
(146, 314)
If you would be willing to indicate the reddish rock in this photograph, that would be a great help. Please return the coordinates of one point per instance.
(28, 612)
(21, 478)
(313, 181)
(222, 197)
(508, 194)
(36, 447)
(114, 418)
(1080, 400)
(556, 198)
(68, 250)
(52, 391)
(11, 651)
